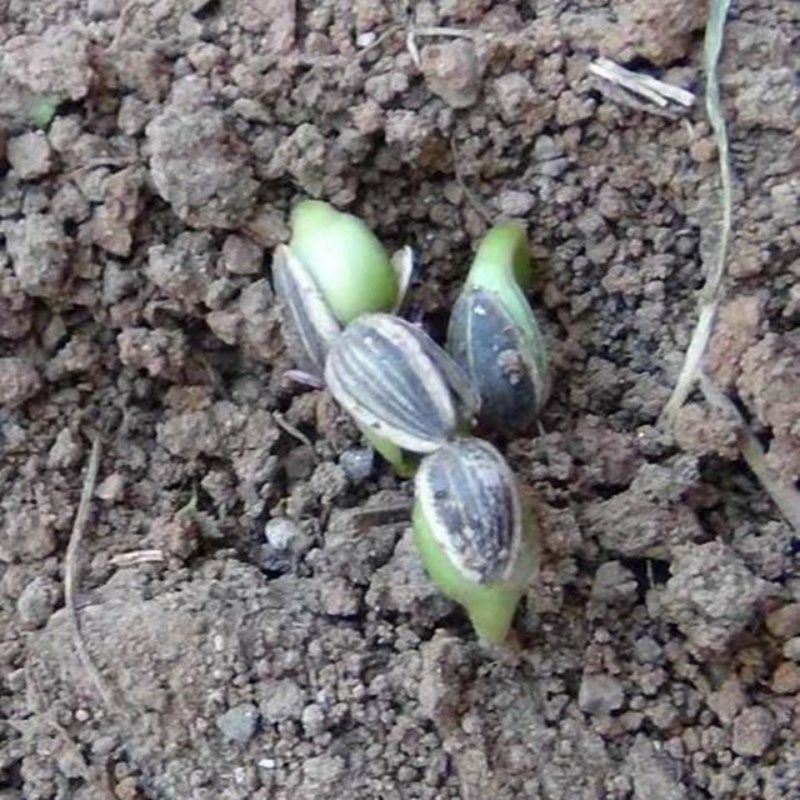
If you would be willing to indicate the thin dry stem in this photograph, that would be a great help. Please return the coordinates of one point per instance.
(383, 514)
(785, 496)
(711, 292)
(294, 432)
(654, 90)
(70, 575)
(472, 198)
(138, 557)
(412, 32)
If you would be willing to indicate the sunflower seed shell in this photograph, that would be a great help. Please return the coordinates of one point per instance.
(396, 382)
(309, 324)
(498, 358)
(469, 497)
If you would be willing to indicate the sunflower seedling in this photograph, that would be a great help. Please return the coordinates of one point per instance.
(333, 270)
(477, 541)
(494, 335)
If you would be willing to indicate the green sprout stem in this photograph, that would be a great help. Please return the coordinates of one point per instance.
(503, 255)
(490, 607)
(403, 462)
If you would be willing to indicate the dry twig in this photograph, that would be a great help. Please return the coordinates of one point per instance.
(388, 514)
(412, 32)
(785, 497)
(473, 198)
(70, 579)
(138, 557)
(658, 92)
(294, 432)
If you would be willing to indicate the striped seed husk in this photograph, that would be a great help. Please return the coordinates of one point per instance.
(469, 497)
(499, 359)
(395, 381)
(308, 323)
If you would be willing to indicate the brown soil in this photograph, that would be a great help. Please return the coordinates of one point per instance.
(247, 588)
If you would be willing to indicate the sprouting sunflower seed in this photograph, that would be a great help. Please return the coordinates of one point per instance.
(477, 541)
(494, 335)
(398, 384)
(471, 503)
(309, 324)
(346, 260)
(505, 364)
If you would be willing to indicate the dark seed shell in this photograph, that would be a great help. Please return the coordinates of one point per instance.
(309, 324)
(469, 497)
(394, 380)
(494, 352)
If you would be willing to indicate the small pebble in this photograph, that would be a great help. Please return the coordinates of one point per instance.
(515, 204)
(753, 731)
(451, 71)
(30, 155)
(239, 723)
(242, 256)
(600, 694)
(19, 381)
(702, 150)
(66, 452)
(299, 463)
(37, 602)
(613, 582)
(366, 38)
(283, 533)
(112, 488)
(358, 463)
(546, 148)
(728, 700)
(339, 598)
(785, 622)
(313, 719)
(786, 678)
(647, 649)
(281, 700)
(792, 648)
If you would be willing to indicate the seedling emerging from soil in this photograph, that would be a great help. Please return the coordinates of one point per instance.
(345, 259)
(333, 270)
(494, 335)
(43, 109)
(402, 390)
(477, 542)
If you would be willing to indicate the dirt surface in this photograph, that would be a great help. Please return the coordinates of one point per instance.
(247, 588)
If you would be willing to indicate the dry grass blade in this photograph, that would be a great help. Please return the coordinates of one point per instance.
(473, 199)
(413, 32)
(658, 92)
(135, 557)
(785, 497)
(709, 297)
(295, 433)
(70, 571)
